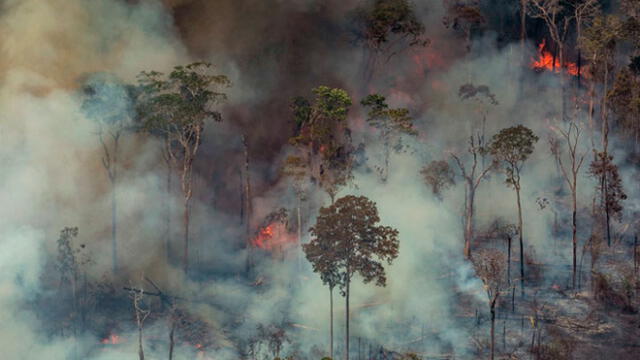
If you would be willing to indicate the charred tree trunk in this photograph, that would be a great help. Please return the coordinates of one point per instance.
(509, 260)
(523, 24)
(635, 254)
(172, 338)
(247, 203)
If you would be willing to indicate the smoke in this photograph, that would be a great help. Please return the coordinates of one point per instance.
(53, 175)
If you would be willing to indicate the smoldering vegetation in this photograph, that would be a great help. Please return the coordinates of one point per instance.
(119, 238)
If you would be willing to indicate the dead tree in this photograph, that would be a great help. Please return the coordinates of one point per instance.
(489, 266)
(570, 138)
(141, 314)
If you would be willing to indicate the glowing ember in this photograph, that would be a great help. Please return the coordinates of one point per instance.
(546, 61)
(274, 236)
(111, 340)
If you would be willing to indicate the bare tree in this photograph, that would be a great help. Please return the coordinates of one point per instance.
(473, 167)
(110, 103)
(570, 139)
(141, 313)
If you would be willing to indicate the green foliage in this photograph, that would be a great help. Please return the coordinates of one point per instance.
(599, 41)
(513, 146)
(347, 240)
(318, 120)
(379, 20)
(387, 120)
(180, 102)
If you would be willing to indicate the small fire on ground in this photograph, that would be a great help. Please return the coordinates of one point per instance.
(274, 237)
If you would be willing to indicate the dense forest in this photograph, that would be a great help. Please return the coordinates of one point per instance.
(319, 179)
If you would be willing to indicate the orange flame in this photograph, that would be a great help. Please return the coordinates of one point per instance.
(273, 236)
(112, 339)
(546, 61)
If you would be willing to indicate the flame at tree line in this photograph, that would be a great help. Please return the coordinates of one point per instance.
(546, 61)
(112, 339)
(274, 236)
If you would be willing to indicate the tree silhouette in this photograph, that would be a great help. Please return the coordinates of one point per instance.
(512, 147)
(177, 106)
(391, 123)
(347, 241)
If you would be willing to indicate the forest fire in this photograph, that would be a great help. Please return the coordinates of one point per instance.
(274, 237)
(546, 61)
(112, 339)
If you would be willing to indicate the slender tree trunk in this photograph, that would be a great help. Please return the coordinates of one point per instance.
(509, 260)
(574, 230)
(299, 231)
(468, 233)
(114, 227)
(140, 349)
(346, 354)
(635, 254)
(331, 321)
(387, 154)
(523, 24)
(167, 219)
(247, 203)
(171, 338)
(493, 327)
(521, 240)
(603, 113)
(186, 219)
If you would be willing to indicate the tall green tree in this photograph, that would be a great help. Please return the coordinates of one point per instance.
(178, 105)
(109, 102)
(512, 147)
(322, 137)
(347, 240)
(391, 124)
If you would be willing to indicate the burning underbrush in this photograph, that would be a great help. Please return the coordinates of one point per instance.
(546, 61)
(274, 234)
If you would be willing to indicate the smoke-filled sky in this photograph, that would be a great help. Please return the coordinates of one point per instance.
(52, 175)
